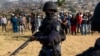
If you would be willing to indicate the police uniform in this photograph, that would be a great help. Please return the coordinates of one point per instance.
(49, 32)
(48, 36)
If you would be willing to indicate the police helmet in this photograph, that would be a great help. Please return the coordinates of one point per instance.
(95, 25)
(50, 6)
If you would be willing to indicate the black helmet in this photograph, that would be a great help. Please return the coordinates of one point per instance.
(95, 25)
(50, 6)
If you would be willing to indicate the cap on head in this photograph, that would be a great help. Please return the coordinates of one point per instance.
(95, 25)
(50, 6)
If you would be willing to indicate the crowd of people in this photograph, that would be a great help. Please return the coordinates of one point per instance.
(72, 23)
(20, 22)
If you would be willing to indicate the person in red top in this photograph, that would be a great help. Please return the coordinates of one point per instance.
(73, 24)
(79, 21)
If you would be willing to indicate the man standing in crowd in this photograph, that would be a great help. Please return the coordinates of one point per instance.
(0, 20)
(84, 24)
(21, 25)
(28, 20)
(33, 22)
(73, 25)
(79, 21)
(14, 21)
(4, 23)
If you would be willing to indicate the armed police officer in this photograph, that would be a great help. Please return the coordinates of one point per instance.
(49, 32)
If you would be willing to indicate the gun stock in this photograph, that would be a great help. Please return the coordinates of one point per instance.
(20, 47)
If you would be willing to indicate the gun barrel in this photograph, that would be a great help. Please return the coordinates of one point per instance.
(20, 47)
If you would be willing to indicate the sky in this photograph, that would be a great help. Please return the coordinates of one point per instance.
(13, 0)
(44, 0)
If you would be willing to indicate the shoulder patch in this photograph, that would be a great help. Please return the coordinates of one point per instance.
(57, 28)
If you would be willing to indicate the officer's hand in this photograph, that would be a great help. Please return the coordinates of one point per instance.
(32, 38)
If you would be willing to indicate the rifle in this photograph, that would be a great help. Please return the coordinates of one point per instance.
(20, 47)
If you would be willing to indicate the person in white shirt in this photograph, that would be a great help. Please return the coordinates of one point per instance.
(4, 23)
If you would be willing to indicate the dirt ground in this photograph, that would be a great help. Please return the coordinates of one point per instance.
(70, 47)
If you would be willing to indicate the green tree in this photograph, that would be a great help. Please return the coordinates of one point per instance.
(60, 2)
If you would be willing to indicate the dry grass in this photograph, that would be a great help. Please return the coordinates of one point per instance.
(72, 46)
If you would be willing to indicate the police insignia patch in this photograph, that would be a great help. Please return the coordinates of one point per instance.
(58, 28)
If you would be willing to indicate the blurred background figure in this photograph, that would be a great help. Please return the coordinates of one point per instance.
(84, 24)
(33, 22)
(14, 21)
(79, 21)
(0, 20)
(73, 25)
(24, 21)
(38, 22)
(21, 25)
(28, 20)
(4, 23)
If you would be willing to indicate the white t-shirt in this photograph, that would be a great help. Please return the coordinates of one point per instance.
(4, 20)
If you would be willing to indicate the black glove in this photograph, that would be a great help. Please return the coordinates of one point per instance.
(32, 38)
